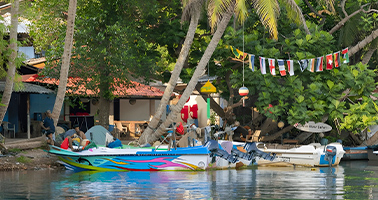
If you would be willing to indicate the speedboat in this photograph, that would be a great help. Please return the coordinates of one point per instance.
(212, 155)
(311, 155)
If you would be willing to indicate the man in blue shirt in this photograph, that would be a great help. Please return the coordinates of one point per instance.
(48, 127)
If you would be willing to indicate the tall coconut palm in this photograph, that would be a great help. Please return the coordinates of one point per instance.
(12, 60)
(192, 11)
(65, 61)
(219, 13)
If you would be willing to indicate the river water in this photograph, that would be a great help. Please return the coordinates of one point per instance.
(349, 180)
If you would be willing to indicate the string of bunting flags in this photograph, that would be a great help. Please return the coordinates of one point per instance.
(312, 64)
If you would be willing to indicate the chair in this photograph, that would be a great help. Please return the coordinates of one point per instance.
(256, 135)
(120, 128)
(8, 128)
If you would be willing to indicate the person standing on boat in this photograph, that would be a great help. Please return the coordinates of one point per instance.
(48, 128)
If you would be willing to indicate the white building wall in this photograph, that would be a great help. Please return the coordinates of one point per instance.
(140, 111)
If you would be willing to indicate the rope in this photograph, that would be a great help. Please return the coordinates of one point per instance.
(243, 54)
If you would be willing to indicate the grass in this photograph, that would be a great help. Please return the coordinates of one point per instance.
(23, 159)
(14, 150)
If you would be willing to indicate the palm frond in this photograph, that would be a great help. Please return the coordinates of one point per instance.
(216, 9)
(329, 4)
(241, 10)
(294, 12)
(190, 7)
(268, 11)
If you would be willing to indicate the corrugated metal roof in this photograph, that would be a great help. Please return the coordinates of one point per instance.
(28, 88)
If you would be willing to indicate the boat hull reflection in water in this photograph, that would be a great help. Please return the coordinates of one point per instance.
(349, 180)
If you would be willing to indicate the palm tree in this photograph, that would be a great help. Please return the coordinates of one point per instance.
(192, 11)
(65, 61)
(12, 60)
(219, 13)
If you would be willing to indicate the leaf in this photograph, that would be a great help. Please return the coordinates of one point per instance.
(355, 73)
(330, 84)
(300, 99)
(299, 42)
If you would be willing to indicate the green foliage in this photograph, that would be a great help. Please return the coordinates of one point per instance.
(114, 40)
(306, 96)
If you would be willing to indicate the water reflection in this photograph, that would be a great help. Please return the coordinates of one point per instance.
(351, 180)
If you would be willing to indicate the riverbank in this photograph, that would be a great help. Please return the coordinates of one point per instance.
(30, 154)
(30, 159)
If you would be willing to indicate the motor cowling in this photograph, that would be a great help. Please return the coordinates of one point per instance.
(330, 152)
(215, 150)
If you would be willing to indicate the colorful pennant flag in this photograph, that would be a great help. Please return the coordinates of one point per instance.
(281, 66)
(251, 62)
(319, 64)
(262, 65)
(336, 57)
(290, 67)
(303, 64)
(329, 61)
(239, 54)
(272, 67)
(311, 65)
(345, 55)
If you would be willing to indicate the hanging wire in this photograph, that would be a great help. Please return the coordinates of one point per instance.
(243, 54)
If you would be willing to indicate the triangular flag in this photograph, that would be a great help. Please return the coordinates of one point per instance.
(336, 57)
(262, 65)
(311, 65)
(345, 55)
(281, 66)
(252, 62)
(303, 64)
(272, 67)
(319, 64)
(290, 67)
(329, 61)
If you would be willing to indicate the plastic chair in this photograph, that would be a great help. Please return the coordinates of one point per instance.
(120, 128)
(9, 127)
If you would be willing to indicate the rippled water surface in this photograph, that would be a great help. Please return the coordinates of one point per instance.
(350, 180)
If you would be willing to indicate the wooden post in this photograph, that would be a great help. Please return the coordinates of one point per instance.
(28, 114)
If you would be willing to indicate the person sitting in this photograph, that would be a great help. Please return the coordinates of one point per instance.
(74, 133)
(48, 128)
(70, 136)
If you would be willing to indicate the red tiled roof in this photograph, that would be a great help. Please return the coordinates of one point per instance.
(134, 90)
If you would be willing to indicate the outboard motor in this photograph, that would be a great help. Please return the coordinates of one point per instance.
(251, 148)
(329, 154)
(213, 147)
(252, 152)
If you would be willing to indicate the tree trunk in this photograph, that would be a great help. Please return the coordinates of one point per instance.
(12, 60)
(363, 43)
(173, 80)
(193, 81)
(104, 110)
(276, 135)
(367, 56)
(65, 61)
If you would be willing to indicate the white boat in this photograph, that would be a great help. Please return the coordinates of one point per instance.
(311, 155)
